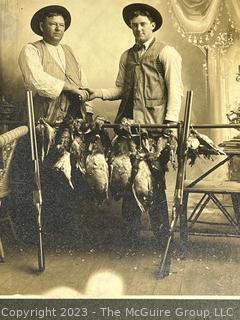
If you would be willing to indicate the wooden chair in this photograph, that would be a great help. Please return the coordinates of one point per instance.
(210, 191)
(8, 143)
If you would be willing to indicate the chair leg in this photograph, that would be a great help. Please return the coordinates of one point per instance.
(224, 211)
(184, 227)
(199, 209)
(2, 256)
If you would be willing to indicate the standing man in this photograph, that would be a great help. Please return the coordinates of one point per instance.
(150, 88)
(51, 70)
(53, 73)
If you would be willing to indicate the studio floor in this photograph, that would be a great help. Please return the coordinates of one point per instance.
(93, 261)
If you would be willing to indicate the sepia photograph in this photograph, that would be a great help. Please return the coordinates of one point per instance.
(120, 154)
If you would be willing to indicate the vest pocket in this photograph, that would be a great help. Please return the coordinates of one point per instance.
(154, 103)
(155, 113)
(154, 87)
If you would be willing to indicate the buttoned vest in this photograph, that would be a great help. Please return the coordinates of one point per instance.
(144, 93)
(54, 110)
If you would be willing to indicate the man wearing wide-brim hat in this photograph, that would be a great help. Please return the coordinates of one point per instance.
(150, 88)
(51, 70)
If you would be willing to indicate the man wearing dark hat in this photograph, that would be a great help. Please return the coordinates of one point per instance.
(53, 73)
(51, 70)
(150, 88)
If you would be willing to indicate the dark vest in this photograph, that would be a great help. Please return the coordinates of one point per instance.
(145, 94)
(56, 109)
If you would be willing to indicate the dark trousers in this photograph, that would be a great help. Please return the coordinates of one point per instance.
(58, 197)
(158, 213)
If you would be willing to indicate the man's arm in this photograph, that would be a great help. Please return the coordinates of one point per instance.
(41, 82)
(172, 63)
(116, 92)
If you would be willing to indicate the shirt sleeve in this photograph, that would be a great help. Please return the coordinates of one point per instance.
(115, 93)
(34, 76)
(172, 63)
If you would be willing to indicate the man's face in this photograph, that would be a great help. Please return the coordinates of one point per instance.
(53, 29)
(142, 28)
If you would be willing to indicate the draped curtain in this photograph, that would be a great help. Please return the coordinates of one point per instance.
(196, 19)
(233, 7)
(195, 16)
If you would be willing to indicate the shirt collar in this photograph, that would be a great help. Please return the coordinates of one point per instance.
(52, 46)
(147, 43)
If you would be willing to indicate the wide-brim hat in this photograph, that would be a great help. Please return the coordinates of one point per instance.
(155, 14)
(38, 17)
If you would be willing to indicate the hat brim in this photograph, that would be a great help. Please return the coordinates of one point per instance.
(155, 14)
(38, 17)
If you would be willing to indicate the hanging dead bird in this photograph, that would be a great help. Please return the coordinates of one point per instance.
(124, 127)
(64, 165)
(193, 145)
(192, 142)
(97, 175)
(46, 137)
(143, 181)
(49, 135)
(77, 154)
(207, 143)
(63, 141)
(199, 144)
(80, 126)
(166, 150)
(96, 128)
(120, 165)
(161, 145)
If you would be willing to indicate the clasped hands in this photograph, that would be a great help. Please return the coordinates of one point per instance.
(86, 94)
(83, 93)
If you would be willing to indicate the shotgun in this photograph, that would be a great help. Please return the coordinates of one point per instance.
(179, 187)
(37, 191)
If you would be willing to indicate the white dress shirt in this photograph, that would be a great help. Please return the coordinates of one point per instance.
(36, 79)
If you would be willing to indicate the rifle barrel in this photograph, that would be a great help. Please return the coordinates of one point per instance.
(37, 192)
(178, 193)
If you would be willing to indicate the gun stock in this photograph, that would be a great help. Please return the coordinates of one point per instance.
(37, 192)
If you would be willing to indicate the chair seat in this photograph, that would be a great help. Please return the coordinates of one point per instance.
(211, 186)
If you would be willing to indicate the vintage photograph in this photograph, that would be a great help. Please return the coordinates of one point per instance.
(119, 149)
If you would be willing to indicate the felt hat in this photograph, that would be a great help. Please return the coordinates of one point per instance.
(155, 14)
(38, 17)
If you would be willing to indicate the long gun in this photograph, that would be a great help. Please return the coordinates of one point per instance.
(178, 193)
(37, 192)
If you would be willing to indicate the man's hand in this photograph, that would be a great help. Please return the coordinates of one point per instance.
(170, 122)
(171, 130)
(82, 94)
(93, 93)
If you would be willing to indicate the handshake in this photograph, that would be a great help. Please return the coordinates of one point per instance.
(84, 94)
(88, 94)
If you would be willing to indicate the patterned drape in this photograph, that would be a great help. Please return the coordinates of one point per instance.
(195, 16)
(233, 7)
(197, 21)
